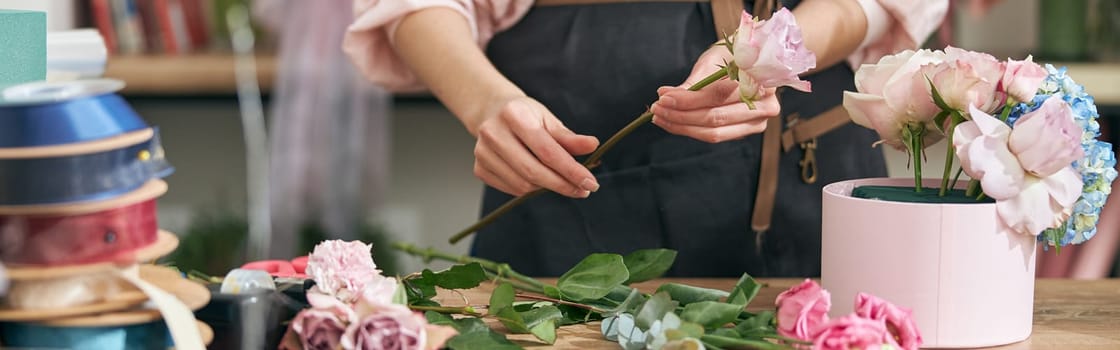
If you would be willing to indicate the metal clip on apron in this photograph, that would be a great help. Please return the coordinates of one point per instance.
(726, 15)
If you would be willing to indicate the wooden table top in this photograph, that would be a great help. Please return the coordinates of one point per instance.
(1068, 314)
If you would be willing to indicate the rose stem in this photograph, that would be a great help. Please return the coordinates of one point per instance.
(462, 310)
(957, 177)
(499, 269)
(558, 301)
(949, 153)
(591, 160)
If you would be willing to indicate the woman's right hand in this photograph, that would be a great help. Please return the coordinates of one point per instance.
(522, 147)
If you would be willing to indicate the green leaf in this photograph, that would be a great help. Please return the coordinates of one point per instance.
(575, 315)
(939, 120)
(654, 309)
(686, 294)
(461, 276)
(937, 100)
(512, 320)
(501, 298)
(438, 318)
(630, 305)
(542, 314)
(711, 314)
(760, 324)
(481, 340)
(545, 331)
(647, 264)
(593, 277)
(738, 343)
(726, 332)
(551, 292)
(744, 291)
(462, 325)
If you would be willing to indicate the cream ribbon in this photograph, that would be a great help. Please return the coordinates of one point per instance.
(178, 317)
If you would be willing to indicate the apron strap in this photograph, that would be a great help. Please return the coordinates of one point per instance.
(771, 155)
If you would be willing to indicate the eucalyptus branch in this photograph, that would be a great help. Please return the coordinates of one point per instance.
(498, 269)
(590, 162)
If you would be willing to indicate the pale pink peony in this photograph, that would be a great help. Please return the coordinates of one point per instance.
(893, 94)
(321, 326)
(854, 332)
(802, 309)
(968, 78)
(395, 327)
(1025, 202)
(770, 54)
(898, 320)
(1021, 79)
(342, 269)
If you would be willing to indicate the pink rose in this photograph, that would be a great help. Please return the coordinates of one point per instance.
(770, 54)
(1025, 202)
(854, 332)
(321, 326)
(378, 294)
(968, 78)
(892, 94)
(802, 309)
(1022, 79)
(1047, 139)
(898, 320)
(342, 269)
(395, 327)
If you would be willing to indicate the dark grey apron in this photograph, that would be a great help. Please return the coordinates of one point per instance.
(597, 67)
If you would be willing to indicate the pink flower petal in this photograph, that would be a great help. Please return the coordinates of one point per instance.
(1029, 212)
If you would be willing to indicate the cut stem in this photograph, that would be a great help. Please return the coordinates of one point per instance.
(502, 270)
(460, 310)
(590, 162)
(948, 154)
(558, 301)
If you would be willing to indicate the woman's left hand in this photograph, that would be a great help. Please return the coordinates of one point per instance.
(715, 113)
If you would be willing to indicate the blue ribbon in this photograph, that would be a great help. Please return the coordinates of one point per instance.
(87, 177)
(71, 121)
(153, 335)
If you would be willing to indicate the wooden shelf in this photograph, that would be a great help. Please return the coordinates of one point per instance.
(188, 75)
(1102, 80)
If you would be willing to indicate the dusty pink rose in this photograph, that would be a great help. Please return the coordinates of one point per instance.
(893, 94)
(1021, 79)
(854, 332)
(802, 309)
(321, 326)
(1047, 139)
(968, 78)
(1026, 203)
(342, 269)
(395, 327)
(898, 320)
(770, 54)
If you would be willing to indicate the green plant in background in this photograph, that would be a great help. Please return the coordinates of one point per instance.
(214, 243)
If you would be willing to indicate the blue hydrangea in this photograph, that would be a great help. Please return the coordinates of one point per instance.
(1097, 169)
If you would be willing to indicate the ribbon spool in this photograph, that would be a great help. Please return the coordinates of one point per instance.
(104, 236)
(81, 172)
(58, 113)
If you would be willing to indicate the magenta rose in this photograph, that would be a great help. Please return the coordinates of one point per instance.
(321, 327)
(898, 320)
(802, 309)
(854, 332)
(770, 54)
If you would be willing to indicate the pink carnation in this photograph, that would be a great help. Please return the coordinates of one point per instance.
(342, 269)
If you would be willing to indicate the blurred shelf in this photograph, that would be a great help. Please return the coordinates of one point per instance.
(1102, 80)
(186, 75)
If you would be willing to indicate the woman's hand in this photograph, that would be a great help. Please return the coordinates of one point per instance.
(715, 113)
(522, 147)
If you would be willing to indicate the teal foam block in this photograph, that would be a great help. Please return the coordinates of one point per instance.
(23, 46)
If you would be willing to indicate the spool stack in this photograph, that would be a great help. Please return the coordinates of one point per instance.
(80, 173)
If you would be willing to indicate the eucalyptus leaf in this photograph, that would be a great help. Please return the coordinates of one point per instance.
(686, 294)
(487, 340)
(647, 264)
(711, 314)
(744, 291)
(654, 309)
(593, 277)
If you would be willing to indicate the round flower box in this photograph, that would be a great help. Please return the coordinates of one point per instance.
(968, 283)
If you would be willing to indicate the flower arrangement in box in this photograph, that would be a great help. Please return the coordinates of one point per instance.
(1025, 134)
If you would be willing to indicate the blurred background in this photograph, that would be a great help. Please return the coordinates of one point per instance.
(353, 162)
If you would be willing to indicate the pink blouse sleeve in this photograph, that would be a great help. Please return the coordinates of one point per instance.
(896, 25)
(368, 40)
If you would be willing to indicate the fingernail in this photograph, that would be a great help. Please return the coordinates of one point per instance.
(582, 194)
(667, 101)
(589, 184)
